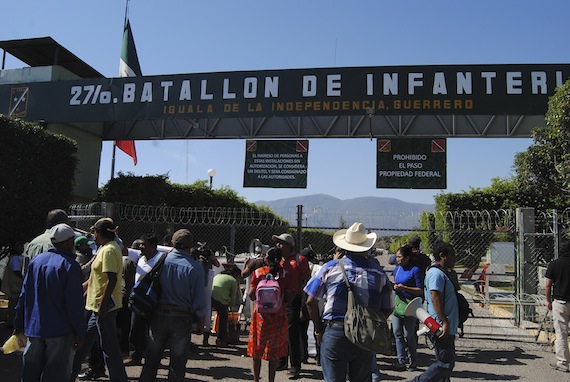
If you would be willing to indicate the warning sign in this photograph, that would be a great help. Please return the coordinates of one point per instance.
(276, 164)
(411, 163)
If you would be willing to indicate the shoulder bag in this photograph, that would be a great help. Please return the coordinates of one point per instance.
(364, 327)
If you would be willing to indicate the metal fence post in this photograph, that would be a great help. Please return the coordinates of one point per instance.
(299, 238)
(233, 238)
(525, 223)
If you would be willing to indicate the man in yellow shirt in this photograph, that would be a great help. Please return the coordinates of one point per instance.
(104, 299)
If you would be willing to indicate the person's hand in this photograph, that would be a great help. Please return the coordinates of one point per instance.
(549, 305)
(21, 338)
(398, 287)
(319, 338)
(444, 330)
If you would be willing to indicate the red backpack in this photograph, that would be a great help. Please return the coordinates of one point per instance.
(268, 295)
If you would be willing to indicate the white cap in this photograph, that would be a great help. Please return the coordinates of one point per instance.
(61, 233)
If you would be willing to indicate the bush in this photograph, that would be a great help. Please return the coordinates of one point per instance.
(37, 174)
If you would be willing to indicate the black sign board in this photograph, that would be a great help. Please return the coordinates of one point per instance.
(389, 90)
(276, 164)
(411, 163)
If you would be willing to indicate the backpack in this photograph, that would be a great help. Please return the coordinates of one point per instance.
(464, 308)
(364, 327)
(268, 295)
(146, 291)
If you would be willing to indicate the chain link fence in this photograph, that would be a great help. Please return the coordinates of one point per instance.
(497, 263)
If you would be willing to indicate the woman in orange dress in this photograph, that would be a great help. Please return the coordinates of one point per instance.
(268, 333)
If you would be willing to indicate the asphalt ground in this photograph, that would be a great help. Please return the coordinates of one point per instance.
(492, 349)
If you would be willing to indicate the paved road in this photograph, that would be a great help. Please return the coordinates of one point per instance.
(490, 350)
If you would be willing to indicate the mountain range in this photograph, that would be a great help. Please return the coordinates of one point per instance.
(326, 211)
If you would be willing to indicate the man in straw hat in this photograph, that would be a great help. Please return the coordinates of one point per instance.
(339, 356)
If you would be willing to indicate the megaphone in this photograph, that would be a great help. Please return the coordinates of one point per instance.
(415, 309)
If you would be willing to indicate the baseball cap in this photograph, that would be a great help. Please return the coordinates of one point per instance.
(83, 240)
(104, 224)
(60, 233)
(414, 241)
(182, 239)
(284, 238)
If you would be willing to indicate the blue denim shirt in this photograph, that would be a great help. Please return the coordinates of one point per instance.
(51, 303)
(182, 280)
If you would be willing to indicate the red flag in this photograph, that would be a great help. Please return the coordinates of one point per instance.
(128, 147)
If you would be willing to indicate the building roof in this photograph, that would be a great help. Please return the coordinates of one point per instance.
(45, 51)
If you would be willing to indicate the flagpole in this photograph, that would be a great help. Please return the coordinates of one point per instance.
(126, 12)
(115, 146)
(113, 161)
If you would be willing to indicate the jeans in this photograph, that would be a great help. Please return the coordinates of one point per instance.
(444, 363)
(138, 336)
(103, 329)
(561, 318)
(339, 356)
(222, 311)
(405, 335)
(48, 359)
(176, 327)
(124, 322)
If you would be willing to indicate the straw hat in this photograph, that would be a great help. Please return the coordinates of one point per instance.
(354, 239)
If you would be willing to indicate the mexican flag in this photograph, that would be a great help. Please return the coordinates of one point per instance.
(129, 67)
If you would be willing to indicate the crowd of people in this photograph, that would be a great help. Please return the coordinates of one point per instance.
(74, 291)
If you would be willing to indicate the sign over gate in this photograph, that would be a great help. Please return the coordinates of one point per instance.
(411, 163)
(391, 90)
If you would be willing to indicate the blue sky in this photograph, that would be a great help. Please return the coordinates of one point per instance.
(188, 36)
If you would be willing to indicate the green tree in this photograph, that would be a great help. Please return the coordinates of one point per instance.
(543, 171)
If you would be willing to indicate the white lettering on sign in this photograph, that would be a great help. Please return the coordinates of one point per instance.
(383, 89)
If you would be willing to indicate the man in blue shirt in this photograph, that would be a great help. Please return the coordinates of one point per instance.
(50, 310)
(441, 305)
(182, 280)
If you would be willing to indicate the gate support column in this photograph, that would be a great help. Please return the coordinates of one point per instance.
(524, 255)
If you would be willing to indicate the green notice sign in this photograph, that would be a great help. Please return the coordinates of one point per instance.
(276, 164)
(411, 163)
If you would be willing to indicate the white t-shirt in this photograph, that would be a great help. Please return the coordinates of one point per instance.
(144, 266)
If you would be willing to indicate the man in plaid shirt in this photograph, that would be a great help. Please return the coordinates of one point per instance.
(372, 288)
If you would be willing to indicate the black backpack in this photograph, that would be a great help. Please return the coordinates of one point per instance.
(464, 308)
